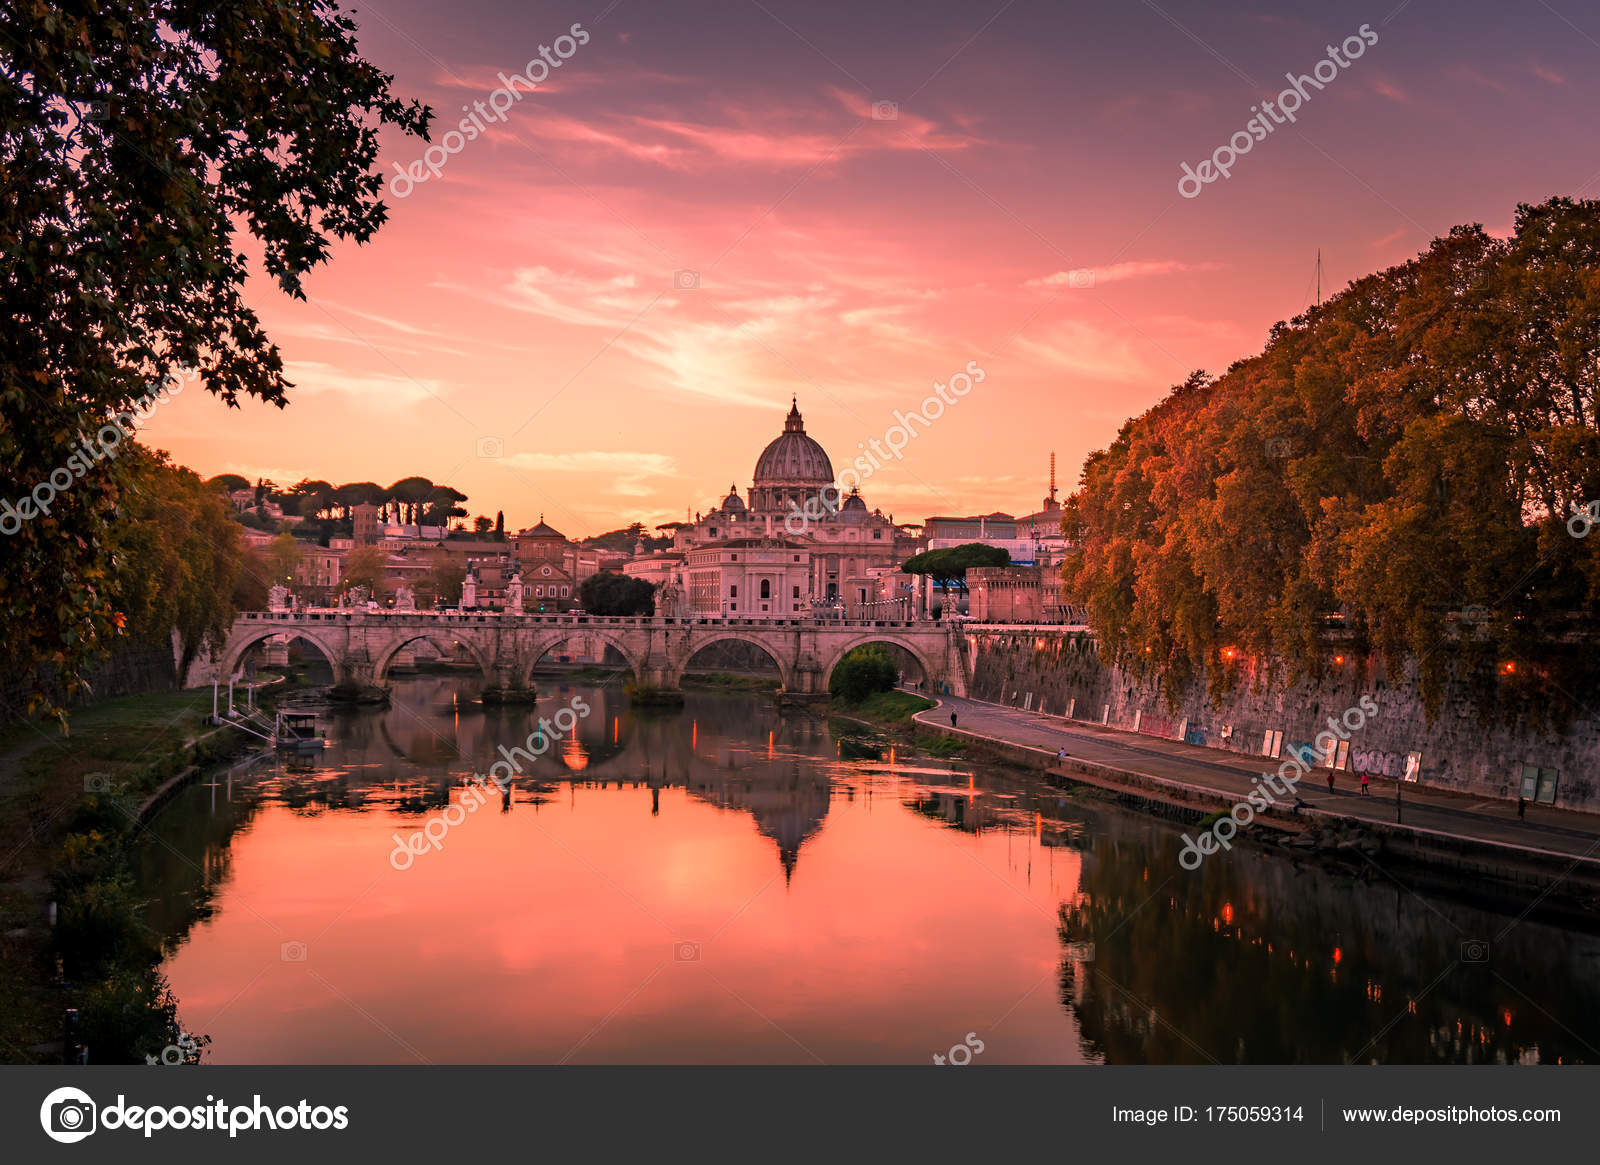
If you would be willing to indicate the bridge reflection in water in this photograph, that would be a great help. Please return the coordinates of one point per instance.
(726, 884)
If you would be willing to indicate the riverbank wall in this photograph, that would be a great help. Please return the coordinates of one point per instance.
(1498, 873)
(130, 668)
(1058, 672)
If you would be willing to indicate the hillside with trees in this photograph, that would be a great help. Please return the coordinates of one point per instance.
(1404, 470)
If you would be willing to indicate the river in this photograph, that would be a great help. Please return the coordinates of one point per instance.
(724, 884)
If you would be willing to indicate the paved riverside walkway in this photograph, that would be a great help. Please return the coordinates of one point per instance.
(1560, 832)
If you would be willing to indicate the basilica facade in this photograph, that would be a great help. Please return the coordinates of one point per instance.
(792, 547)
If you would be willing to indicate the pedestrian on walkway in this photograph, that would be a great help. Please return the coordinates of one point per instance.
(1330, 780)
(952, 720)
(1522, 809)
(1363, 784)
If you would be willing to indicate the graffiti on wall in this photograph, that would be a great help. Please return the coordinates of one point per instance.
(1377, 762)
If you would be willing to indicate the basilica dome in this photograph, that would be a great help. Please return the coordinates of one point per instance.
(792, 468)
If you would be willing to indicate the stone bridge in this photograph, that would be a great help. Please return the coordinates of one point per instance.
(361, 646)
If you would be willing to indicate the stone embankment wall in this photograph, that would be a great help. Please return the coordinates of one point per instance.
(130, 668)
(1059, 672)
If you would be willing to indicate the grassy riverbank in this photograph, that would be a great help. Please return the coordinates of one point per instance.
(732, 681)
(887, 709)
(67, 806)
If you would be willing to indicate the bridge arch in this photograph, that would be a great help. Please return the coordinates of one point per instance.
(712, 637)
(543, 645)
(238, 647)
(930, 674)
(441, 641)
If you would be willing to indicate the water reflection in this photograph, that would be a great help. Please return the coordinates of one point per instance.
(725, 884)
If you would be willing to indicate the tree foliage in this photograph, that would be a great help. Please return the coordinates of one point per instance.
(443, 583)
(365, 566)
(283, 556)
(863, 671)
(177, 554)
(950, 564)
(610, 593)
(1393, 474)
(137, 141)
(624, 541)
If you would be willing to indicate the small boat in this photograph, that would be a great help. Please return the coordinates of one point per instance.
(297, 731)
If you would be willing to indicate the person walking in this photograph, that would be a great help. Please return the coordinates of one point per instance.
(1330, 780)
(1363, 784)
(952, 720)
(1522, 809)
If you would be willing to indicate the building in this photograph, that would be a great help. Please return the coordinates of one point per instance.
(1018, 594)
(1032, 540)
(812, 550)
(1042, 529)
(366, 524)
(748, 578)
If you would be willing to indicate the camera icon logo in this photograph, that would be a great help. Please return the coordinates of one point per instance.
(885, 111)
(491, 447)
(68, 1115)
(292, 952)
(1080, 277)
(1476, 613)
(1475, 951)
(97, 111)
(98, 783)
(1080, 952)
(1277, 446)
(686, 952)
(686, 280)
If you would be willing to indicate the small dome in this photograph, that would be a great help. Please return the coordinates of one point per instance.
(733, 504)
(854, 502)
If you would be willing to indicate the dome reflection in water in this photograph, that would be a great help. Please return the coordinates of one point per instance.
(721, 884)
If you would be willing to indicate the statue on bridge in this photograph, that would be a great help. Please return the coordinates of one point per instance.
(404, 598)
(670, 602)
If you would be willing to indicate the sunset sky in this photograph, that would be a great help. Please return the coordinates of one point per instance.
(525, 300)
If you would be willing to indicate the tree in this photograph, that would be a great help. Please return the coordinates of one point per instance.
(610, 593)
(365, 566)
(481, 525)
(410, 495)
(1391, 476)
(250, 588)
(949, 565)
(442, 505)
(228, 482)
(138, 141)
(283, 556)
(863, 671)
(624, 540)
(356, 493)
(499, 525)
(444, 579)
(177, 555)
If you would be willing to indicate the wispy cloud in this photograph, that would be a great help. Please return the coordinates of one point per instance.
(1118, 273)
(311, 377)
(629, 473)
